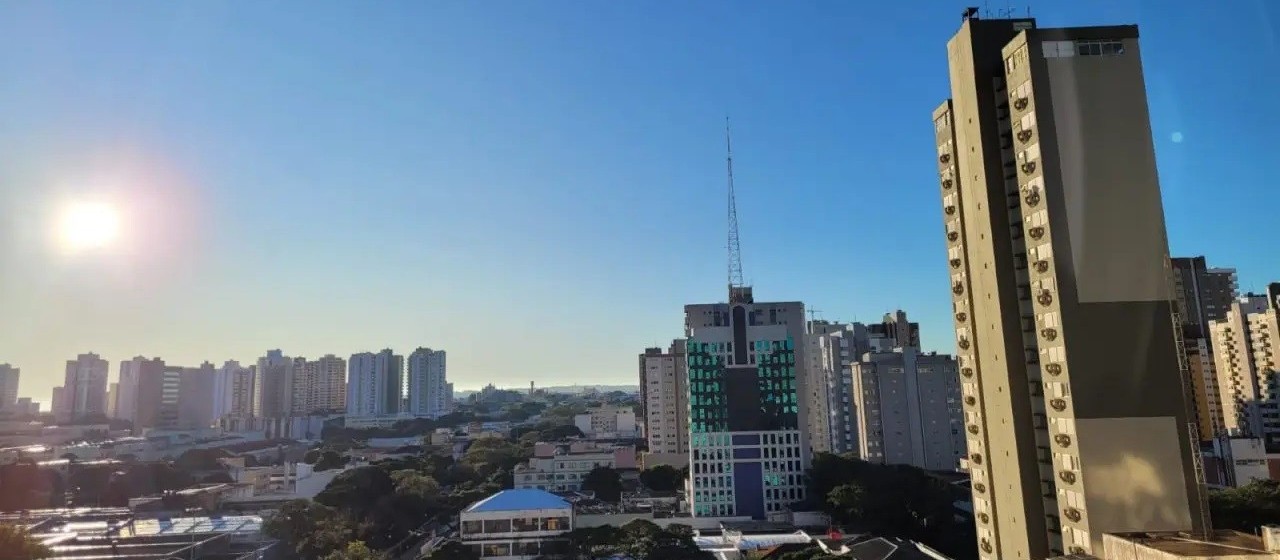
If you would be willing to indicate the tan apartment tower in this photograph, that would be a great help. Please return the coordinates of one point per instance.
(1075, 395)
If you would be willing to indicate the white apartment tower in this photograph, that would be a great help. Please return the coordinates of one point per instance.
(664, 403)
(428, 384)
(233, 392)
(374, 383)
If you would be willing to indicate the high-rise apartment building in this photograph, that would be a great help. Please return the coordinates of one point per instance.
(748, 446)
(85, 387)
(112, 397)
(1202, 296)
(330, 393)
(1245, 344)
(300, 379)
(9, 376)
(156, 400)
(233, 393)
(196, 392)
(664, 398)
(907, 409)
(272, 390)
(833, 347)
(428, 385)
(1079, 423)
(375, 383)
(127, 389)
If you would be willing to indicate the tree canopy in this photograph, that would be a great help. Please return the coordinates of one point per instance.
(1247, 507)
(891, 501)
(639, 540)
(662, 478)
(605, 482)
(355, 550)
(17, 544)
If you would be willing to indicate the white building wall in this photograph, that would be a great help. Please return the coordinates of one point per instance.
(428, 383)
(127, 389)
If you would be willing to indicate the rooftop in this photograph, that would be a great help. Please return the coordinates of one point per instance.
(1222, 543)
(517, 500)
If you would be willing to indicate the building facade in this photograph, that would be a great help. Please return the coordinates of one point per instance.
(127, 389)
(1056, 243)
(428, 383)
(330, 393)
(608, 421)
(517, 525)
(664, 402)
(1202, 296)
(562, 467)
(85, 387)
(196, 396)
(272, 390)
(748, 446)
(833, 348)
(1245, 343)
(159, 386)
(233, 394)
(375, 383)
(9, 376)
(908, 409)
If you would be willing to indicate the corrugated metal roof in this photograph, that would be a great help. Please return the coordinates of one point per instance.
(521, 499)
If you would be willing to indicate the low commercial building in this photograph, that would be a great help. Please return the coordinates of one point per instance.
(608, 422)
(94, 533)
(517, 525)
(1167, 545)
(562, 467)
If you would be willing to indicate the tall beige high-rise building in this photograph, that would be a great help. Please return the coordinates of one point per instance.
(1059, 264)
(664, 403)
(330, 392)
(1245, 345)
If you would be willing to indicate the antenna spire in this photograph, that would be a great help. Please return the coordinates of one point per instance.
(735, 251)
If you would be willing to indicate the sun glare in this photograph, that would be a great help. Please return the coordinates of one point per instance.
(88, 225)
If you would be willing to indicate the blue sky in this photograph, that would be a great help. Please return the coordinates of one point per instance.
(536, 187)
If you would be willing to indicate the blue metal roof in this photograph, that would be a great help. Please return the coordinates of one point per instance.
(515, 500)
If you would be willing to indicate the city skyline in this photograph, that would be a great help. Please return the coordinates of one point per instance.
(812, 160)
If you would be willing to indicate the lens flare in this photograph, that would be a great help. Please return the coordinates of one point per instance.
(88, 225)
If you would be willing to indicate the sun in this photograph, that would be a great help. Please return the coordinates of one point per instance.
(88, 225)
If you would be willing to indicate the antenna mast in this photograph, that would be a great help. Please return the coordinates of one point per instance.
(735, 251)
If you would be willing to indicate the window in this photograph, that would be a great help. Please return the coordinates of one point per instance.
(555, 523)
(497, 549)
(472, 527)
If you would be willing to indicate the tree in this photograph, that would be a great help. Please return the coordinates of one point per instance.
(662, 478)
(330, 460)
(605, 482)
(415, 484)
(201, 459)
(17, 544)
(311, 457)
(311, 530)
(1247, 507)
(889, 500)
(355, 550)
(490, 455)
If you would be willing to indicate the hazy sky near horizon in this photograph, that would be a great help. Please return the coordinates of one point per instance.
(536, 187)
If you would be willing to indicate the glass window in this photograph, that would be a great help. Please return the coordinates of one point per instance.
(497, 525)
(472, 527)
(556, 523)
(497, 549)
